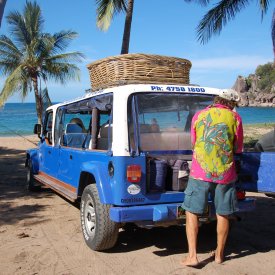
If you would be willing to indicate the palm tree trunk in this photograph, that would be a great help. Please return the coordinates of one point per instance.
(127, 28)
(2, 8)
(38, 101)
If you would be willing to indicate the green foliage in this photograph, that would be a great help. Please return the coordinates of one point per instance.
(106, 9)
(251, 96)
(221, 13)
(266, 74)
(248, 82)
(29, 55)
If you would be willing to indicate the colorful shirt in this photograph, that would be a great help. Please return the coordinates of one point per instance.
(216, 134)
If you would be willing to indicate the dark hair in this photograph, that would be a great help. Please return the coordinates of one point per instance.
(78, 121)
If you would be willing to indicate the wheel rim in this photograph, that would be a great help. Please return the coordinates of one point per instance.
(29, 172)
(28, 176)
(89, 216)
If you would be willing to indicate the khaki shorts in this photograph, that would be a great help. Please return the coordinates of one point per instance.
(197, 195)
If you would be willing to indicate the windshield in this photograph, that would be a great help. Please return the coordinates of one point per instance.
(163, 121)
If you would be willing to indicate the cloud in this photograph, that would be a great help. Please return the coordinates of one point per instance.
(241, 62)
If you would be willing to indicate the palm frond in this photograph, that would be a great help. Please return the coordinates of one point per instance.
(105, 16)
(26, 87)
(13, 83)
(217, 18)
(201, 2)
(8, 46)
(62, 39)
(61, 72)
(66, 57)
(46, 101)
(264, 6)
(106, 9)
(10, 56)
(33, 18)
(26, 27)
(18, 29)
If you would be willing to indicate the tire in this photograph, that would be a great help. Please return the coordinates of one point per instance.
(31, 183)
(99, 232)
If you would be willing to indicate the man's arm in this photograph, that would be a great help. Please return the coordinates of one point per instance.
(193, 130)
(238, 140)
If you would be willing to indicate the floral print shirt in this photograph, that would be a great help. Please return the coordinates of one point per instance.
(216, 134)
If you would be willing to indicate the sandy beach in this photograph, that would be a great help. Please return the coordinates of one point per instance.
(40, 234)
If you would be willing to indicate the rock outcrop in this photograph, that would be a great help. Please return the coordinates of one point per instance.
(251, 95)
(242, 88)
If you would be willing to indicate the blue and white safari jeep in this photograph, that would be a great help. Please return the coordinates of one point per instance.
(123, 153)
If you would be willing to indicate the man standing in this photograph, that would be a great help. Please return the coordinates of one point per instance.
(216, 134)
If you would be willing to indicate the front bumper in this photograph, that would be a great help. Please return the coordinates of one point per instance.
(163, 212)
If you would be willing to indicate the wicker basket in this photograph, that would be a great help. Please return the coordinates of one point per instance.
(138, 69)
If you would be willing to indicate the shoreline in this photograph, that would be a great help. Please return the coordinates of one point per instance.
(266, 125)
(252, 132)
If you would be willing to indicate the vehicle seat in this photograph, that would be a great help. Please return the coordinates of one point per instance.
(102, 142)
(73, 128)
(74, 137)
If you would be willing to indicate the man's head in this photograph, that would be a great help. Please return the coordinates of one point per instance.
(78, 121)
(228, 97)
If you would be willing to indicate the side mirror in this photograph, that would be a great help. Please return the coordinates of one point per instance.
(37, 129)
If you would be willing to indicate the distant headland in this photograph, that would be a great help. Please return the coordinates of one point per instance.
(257, 89)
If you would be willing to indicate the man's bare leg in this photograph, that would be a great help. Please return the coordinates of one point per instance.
(192, 228)
(222, 233)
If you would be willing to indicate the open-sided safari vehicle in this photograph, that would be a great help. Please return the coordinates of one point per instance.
(124, 153)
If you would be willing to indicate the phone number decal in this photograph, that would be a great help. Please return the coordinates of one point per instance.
(178, 89)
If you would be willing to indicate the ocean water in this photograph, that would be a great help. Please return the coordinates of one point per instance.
(19, 118)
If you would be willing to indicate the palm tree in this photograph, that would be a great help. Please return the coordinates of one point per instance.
(106, 9)
(2, 8)
(225, 10)
(33, 56)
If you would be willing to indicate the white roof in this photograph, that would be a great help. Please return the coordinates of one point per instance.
(126, 90)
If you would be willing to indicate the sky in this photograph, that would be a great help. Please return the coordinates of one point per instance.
(158, 27)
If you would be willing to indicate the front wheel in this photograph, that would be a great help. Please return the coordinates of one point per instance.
(31, 183)
(100, 233)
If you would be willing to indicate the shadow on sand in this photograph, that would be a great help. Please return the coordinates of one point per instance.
(12, 188)
(254, 233)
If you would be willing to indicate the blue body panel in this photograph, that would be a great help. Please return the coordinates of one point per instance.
(67, 165)
(120, 185)
(48, 159)
(258, 172)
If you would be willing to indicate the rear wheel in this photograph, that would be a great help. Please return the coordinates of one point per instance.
(100, 233)
(31, 183)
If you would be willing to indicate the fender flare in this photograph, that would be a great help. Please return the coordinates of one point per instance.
(32, 155)
(100, 173)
